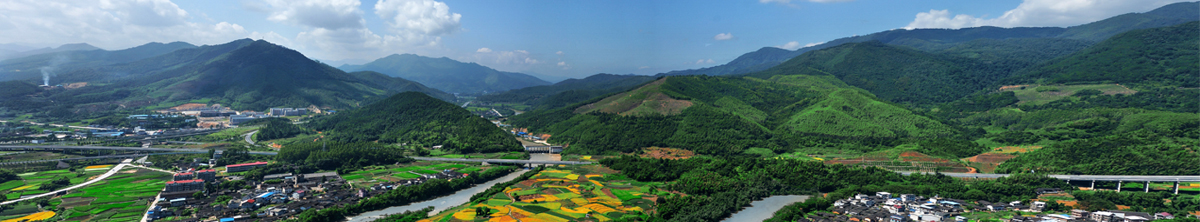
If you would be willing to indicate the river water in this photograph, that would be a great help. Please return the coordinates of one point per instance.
(442, 203)
(763, 209)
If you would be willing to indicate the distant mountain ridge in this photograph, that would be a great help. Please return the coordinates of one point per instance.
(938, 39)
(29, 67)
(569, 91)
(243, 74)
(447, 74)
(62, 48)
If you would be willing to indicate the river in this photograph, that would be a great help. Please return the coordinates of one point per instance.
(763, 209)
(442, 203)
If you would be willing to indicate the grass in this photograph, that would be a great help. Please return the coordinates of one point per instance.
(374, 174)
(1031, 94)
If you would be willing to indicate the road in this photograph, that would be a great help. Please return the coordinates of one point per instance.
(59, 125)
(1167, 178)
(249, 135)
(140, 149)
(502, 161)
(110, 172)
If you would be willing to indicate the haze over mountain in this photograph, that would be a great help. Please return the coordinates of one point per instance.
(62, 48)
(447, 74)
(243, 74)
(50, 63)
(938, 39)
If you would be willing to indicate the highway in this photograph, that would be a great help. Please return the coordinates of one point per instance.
(139, 149)
(1170, 178)
(502, 161)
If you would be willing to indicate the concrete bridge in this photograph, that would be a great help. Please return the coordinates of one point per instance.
(1120, 179)
(543, 149)
(504, 161)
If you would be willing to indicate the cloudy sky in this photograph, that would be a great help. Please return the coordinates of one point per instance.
(558, 38)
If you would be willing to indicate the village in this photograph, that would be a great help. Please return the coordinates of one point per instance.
(886, 207)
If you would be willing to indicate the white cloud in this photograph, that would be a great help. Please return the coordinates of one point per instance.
(107, 24)
(558, 53)
(704, 61)
(336, 29)
(723, 36)
(813, 44)
(562, 63)
(425, 17)
(484, 50)
(1039, 13)
(326, 14)
(793, 45)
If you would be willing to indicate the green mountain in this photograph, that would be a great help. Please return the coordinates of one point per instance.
(1164, 56)
(243, 74)
(569, 91)
(83, 58)
(448, 75)
(416, 118)
(895, 74)
(942, 40)
(729, 115)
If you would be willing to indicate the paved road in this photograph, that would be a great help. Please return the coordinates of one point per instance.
(140, 149)
(1169, 178)
(249, 136)
(110, 172)
(58, 125)
(501, 161)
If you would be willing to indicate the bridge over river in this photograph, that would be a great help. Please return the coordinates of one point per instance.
(1093, 178)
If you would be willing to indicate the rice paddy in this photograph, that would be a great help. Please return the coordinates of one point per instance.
(562, 195)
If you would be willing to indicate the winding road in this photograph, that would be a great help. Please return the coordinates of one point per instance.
(249, 138)
(110, 172)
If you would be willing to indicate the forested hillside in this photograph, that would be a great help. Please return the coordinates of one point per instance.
(447, 75)
(416, 119)
(568, 91)
(1164, 56)
(727, 115)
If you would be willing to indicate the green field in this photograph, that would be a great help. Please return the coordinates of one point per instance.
(122, 197)
(1036, 95)
(30, 183)
(375, 174)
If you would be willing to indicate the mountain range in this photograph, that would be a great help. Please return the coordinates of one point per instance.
(447, 74)
(938, 39)
(243, 74)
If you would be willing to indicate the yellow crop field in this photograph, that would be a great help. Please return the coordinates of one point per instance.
(33, 217)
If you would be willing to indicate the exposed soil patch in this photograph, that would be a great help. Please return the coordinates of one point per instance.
(667, 153)
(608, 192)
(599, 169)
(75, 85)
(911, 156)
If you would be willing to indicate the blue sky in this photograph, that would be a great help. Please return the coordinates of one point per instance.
(554, 38)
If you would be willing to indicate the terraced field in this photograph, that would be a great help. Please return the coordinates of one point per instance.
(563, 195)
(121, 197)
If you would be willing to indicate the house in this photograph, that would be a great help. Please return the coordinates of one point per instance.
(244, 167)
(1101, 216)
(884, 195)
(1163, 216)
(184, 185)
(208, 175)
(178, 202)
(1038, 206)
(184, 176)
(1079, 214)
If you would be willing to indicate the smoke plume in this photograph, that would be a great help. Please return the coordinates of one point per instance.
(48, 70)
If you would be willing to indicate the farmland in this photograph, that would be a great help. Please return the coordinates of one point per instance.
(124, 196)
(572, 194)
(375, 174)
(31, 183)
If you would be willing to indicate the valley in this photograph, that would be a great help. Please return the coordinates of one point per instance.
(1098, 121)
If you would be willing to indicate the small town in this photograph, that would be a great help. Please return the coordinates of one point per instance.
(886, 207)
